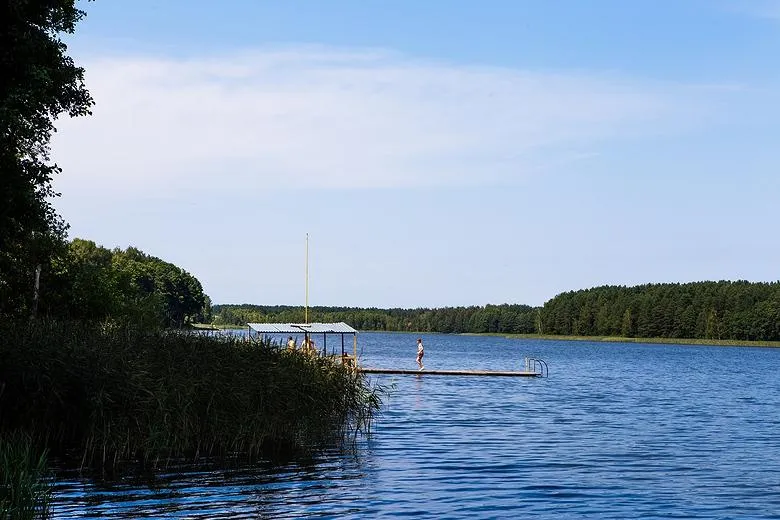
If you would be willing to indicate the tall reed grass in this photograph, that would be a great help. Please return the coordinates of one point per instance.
(25, 489)
(99, 395)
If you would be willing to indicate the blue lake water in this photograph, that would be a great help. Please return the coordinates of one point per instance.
(617, 431)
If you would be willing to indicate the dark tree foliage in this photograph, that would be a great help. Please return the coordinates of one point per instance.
(38, 82)
(700, 310)
(90, 282)
(738, 310)
(517, 319)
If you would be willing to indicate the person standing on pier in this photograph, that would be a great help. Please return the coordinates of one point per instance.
(420, 353)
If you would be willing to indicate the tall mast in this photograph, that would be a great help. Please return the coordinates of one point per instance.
(306, 307)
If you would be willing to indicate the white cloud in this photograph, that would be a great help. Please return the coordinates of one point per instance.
(319, 117)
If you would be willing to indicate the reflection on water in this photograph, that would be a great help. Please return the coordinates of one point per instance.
(617, 431)
(244, 492)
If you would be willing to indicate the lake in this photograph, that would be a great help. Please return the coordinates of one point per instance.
(617, 431)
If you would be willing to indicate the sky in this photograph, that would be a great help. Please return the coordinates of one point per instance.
(437, 153)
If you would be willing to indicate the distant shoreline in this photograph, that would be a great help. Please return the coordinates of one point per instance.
(552, 337)
(209, 326)
(614, 339)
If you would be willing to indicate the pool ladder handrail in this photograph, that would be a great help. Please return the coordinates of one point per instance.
(538, 366)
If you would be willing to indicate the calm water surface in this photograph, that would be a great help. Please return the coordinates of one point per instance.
(616, 431)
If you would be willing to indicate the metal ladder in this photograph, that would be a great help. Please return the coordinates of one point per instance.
(537, 366)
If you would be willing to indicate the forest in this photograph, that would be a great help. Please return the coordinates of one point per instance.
(510, 319)
(723, 310)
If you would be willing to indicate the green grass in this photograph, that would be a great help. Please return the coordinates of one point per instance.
(25, 489)
(100, 395)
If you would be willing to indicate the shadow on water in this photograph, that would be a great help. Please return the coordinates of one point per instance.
(210, 489)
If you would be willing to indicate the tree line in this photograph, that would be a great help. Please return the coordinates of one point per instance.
(733, 310)
(724, 310)
(510, 319)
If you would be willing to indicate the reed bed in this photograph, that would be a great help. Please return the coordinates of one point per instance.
(100, 395)
(25, 486)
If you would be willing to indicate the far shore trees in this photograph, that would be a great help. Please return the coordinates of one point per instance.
(724, 310)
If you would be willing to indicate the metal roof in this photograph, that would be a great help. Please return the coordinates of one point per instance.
(296, 328)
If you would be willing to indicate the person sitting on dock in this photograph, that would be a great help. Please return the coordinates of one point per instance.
(420, 353)
(308, 346)
(290, 343)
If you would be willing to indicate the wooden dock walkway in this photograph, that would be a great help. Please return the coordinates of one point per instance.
(448, 372)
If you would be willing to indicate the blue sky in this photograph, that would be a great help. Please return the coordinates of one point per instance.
(439, 153)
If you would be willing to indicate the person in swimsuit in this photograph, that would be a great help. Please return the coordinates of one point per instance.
(420, 353)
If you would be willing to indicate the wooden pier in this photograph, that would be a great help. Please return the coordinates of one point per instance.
(367, 370)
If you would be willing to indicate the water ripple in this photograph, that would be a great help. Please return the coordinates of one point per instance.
(618, 431)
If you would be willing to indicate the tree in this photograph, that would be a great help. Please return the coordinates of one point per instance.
(626, 328)
(38, 82)
(182, 293)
